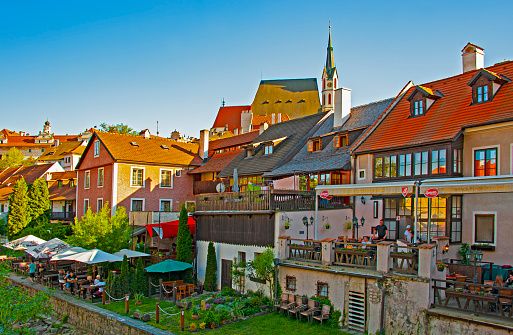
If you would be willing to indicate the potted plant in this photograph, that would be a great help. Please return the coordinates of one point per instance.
(287, 225)
(349, 225)
(327, 225)
(441, 266)
(138, 298)
(195, 313)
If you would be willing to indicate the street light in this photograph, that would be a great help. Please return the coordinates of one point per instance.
(356, 225)
(478, 257)
(305, 222)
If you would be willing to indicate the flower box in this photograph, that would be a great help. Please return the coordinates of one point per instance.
(482, 247)
(488, 297)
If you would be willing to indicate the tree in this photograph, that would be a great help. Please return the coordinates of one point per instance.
(102, 231)
(211, 270)
(38, 202)
(14, 158)
(119, 128)
(140, 278)
(18, 208)
(238, 274)
(262, 267)
(184, 239)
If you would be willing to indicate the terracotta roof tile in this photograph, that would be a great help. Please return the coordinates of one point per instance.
(66, 175)
(217, 162)
(229, 115)
(232, 141)
(446, 117)
(62, 150)
(65, 192)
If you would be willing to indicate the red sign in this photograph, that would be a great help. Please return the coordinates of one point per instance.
(329, 197)
(324, 194)
(404, 190)
(431, 193)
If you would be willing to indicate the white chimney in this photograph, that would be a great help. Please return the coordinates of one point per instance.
(263, 127)
(279, 117)
(273, 118)
(236, 131)
(342, 106)
(472, 57)
(246, 117)
(203, 144)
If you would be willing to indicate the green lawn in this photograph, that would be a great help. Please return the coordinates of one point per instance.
(272, 323)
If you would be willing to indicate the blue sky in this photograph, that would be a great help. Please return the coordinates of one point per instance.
(81, 63)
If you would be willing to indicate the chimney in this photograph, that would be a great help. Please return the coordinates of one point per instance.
(472, 57)
(279, 117)
(273, 118)
(203, 144)
(263, 127)
(342, 106)
(246, 117)
(145, 133)
(236, 131)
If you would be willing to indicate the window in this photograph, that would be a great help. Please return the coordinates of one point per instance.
(268, 149)
(438, 217)
(314, 145)
(100, 177)
(456, 207)
(323, 99)
(290, 283)
(418, 108)
(71, 182)
(137, 205)
(2, 208)
(378, 167)
(482, 93)
(405, 165)
(87, 179)
(421, 163)
(340, 141)
(457, 160)
(166, 205)
(256, 254)
(42, 150)
(96, 148)
(329, 99)
(242, 257)
(361, 174)
(484, 228)
(86, 205)
(438, 161)
(375, 210)
(137, 177)
(166, 178)
(178, 173)
(99, 205)
(324, 179)
(485, 162)
(30, 150)
(322, 290)
(59, 183)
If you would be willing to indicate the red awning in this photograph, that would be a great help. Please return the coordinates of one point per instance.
(169, 229)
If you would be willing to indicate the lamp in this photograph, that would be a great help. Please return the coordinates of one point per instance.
(363, 200)
(311, 220)
(356, 225)
(479, 255)
(305, 222)
(355, 221)
(362, 220)
(445, 249)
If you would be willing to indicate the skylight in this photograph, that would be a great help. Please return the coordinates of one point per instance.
(134, 144)
(163, 146)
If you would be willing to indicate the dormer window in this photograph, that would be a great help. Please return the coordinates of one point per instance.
(421, 100)
(268, 149)
(482, 93)
(485, 85)
(314, 145)
(249, 152)
(340, 141)
(418, 107)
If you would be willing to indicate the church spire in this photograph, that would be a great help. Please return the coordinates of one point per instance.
(329, 57)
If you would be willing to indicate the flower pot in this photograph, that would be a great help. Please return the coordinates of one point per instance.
(441, 269)
(195, 316)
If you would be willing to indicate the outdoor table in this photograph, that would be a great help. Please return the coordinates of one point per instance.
(90, 289)
(82, 276)
(477, 299)
(47, 279)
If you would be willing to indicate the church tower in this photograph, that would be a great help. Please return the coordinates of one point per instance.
(329, 79)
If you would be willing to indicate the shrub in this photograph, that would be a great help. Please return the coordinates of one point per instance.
(228, 291)
(255, 301)
(192, 327)
(211, 270)
(210, 318)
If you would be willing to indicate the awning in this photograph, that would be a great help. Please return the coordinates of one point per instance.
(469, 185)
(393, 188)
(169, 229)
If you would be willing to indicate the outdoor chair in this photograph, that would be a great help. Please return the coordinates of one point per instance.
(311, 307)
(505, 299)
(324, 314)
(290, 304)
(299, 307)
(279, 302)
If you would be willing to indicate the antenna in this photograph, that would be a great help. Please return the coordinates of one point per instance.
(157, 127)
(223, 103)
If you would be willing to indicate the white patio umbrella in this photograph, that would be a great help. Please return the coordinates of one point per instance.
(48, 249)
(130, 253)
(24, 242)
(235, 187)
(67, 252)
(93, 256)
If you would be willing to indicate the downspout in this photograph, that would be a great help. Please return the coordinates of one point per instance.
(353, 171)
(316, 213)
(382, 318)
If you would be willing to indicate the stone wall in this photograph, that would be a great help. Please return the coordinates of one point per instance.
(90, 317)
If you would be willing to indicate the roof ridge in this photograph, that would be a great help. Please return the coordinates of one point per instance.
(374, 102)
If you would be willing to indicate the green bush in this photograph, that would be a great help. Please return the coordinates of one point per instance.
(334, 320)
(211, 270)
(255, 301)
(228, 291)
(210, 317)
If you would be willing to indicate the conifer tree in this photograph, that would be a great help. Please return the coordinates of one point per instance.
(184, 240)
(211, 270)
(38, 201)
(18, 208)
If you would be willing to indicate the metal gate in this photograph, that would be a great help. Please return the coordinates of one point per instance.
(356, 311)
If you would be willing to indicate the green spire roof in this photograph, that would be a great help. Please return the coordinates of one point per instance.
(330, 67)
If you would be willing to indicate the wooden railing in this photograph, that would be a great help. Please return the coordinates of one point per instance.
(206, 186)
(266, 200)
(62, 215)
(469, 298)
(361, 255)
(405, 259)
(305, 250)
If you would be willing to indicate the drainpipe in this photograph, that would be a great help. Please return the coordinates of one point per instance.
(276, 263)
(382, 319)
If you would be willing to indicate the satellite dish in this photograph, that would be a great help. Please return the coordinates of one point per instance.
(220, 188)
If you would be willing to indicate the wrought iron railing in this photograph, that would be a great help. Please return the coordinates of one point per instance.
(63, 215)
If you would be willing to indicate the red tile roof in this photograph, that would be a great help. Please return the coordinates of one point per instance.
(232, 141)
(448, 115)
(217, 162)
(259, 119)
(29, 141)
(229, 115)
(65, 192)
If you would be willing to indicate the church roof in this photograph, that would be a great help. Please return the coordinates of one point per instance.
(229, 116)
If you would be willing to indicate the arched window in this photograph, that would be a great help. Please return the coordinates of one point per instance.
(329, 99)
(335, 86)
(324, 84)
(323, 99)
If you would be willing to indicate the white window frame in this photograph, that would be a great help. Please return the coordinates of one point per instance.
(96, 148)
(98, 208)
(494, 226)
(143, 177)
(492, 146)
(160, 178)
(98, 178)
(178, 172)
(88, 205)
(143, 202)
(364, 174)
(160, 204)
(87, 177)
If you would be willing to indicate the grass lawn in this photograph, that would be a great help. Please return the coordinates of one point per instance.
(272, 323)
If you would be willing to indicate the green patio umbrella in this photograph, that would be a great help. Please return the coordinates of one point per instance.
(168, 266)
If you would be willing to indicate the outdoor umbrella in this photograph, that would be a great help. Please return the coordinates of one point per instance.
(130, 253)
(48, 249)
(71, 251)
(93, 256)
(168, 266)
(24, 242)
(235, 187)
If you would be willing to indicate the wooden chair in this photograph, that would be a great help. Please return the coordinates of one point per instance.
(289, 304)
(462, 279)
(279, 302)
(298, 307)
(323, 315)
(312, 306)
(505, 300)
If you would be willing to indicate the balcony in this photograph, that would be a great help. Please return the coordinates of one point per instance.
(66, 216)
(267, 200)
(205, 186)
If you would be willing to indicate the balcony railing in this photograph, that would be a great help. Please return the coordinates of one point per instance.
(206, 186)
(267, 200)
(63, 215)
